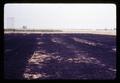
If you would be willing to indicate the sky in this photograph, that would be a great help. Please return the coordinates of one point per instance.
(60, 16)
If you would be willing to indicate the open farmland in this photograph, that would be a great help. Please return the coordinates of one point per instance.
(59, 56)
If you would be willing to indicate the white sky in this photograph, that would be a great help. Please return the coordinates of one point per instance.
(60, 16)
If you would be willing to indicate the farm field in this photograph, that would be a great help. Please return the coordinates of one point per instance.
(59, 56)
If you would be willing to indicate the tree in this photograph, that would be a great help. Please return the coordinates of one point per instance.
(24, 27)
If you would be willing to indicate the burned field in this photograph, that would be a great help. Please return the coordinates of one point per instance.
(59, 56)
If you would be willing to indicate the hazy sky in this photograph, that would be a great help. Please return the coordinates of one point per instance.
(60, 16)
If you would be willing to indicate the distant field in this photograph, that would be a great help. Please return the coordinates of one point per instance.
(59, 56)
(67, 31)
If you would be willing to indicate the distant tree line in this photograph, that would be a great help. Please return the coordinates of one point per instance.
(33, 30)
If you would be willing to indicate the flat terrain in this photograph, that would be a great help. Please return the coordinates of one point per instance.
(59, 56)
(66, 31)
